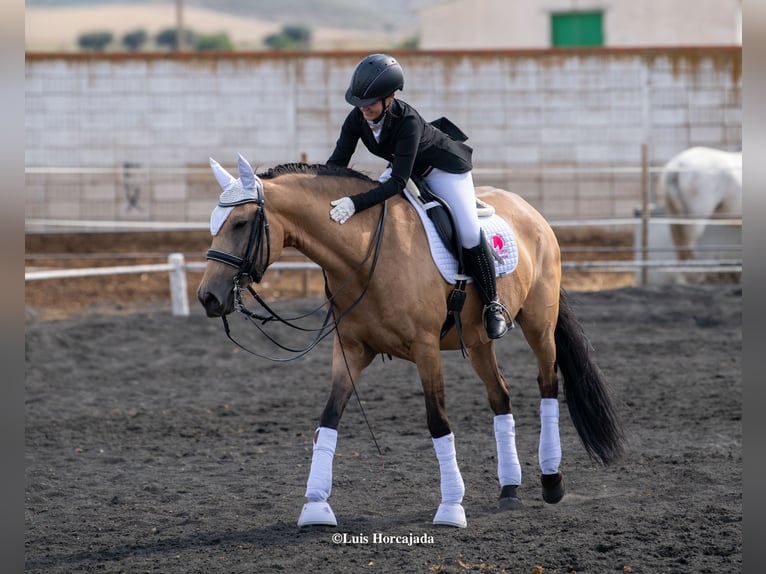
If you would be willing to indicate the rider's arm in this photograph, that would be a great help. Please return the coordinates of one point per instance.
(405, 150)
(346, 144)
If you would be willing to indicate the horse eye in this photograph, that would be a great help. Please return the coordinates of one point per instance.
(240, 224)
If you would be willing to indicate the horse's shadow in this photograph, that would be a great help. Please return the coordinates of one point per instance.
(280, 533)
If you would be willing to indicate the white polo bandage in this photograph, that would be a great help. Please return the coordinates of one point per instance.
(549, 452)
(452, 487)
(508, 467)
(319, 484)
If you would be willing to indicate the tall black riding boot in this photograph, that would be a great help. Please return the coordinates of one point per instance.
(481, 266)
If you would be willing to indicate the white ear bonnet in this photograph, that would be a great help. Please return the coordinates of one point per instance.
(247, 189)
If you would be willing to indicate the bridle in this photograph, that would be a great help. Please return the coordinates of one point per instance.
(256, 258)
(254, 263)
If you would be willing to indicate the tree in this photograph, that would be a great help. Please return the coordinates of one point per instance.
(298, 33)
(213, 42)
(135, 40)
(292, 37)
(96, 41)
(410, 43)
(167, 38)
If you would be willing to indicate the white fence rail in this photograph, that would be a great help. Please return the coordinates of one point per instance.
(176, 267)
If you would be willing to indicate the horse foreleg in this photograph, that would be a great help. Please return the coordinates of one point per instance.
(450, 511)
(317, 511)
(347, 364)
(484, 362)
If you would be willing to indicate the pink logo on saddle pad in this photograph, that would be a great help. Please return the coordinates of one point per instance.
(498, 243)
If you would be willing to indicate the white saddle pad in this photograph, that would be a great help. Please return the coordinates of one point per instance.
(496, 230)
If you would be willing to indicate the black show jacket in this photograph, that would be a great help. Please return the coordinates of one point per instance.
(407, 142)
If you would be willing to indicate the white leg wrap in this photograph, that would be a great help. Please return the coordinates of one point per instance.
(550, 444)
(319, 484)
(508, 467)
(452, 486)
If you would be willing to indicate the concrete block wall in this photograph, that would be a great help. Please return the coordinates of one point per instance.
(562, 128)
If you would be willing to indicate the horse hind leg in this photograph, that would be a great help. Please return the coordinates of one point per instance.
(484, 362)
(539, 333)
(685, 237)
(549, 453)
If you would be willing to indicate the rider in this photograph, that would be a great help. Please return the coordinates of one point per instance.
(393, 130)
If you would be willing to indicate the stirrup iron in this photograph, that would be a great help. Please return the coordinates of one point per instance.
(496, 308)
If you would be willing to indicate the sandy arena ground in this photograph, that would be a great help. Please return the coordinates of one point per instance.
(155, 445)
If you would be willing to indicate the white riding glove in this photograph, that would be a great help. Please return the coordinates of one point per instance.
(344, 208)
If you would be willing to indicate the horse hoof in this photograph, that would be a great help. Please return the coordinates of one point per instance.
(508, 498)
(450, 514)
(317, 514)
(553, 487)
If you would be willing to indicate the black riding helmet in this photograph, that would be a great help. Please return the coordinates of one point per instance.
(375, 78)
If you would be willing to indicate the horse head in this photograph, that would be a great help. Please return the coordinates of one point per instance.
(241, 248)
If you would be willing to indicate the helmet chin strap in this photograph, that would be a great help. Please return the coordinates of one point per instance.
(385, 109)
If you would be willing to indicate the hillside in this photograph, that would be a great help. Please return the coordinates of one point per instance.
(335, 24)
(57, 29)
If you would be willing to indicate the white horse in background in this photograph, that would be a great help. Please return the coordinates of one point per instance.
(700, 183)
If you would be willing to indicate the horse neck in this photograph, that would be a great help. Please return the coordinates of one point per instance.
(301, 205)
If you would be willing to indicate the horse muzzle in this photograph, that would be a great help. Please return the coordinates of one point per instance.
(216, 305)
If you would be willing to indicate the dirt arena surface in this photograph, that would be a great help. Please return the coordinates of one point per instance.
(154, 445)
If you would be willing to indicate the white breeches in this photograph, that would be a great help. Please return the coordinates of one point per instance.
(508, 467)
(458, 191)
(452, 486)
(319, 483)
(549, 452)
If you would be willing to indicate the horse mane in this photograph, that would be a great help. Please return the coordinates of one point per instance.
(312, 169)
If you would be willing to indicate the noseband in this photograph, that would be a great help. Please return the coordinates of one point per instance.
(256, 257)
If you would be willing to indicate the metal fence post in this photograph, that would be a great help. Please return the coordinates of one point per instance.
(178, 294)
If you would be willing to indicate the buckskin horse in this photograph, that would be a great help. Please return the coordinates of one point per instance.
(388, 297)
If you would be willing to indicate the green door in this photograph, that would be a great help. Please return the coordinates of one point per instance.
(577, 29)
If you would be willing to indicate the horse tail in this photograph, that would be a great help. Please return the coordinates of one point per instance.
(587, 394)
(668, 190)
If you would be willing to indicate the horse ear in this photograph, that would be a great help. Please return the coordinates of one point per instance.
(246, 174)
(223, 177)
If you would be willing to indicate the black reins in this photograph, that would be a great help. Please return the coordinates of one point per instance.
(254, 264)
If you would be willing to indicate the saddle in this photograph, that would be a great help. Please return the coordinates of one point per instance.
(437, 209)
(440, 213)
